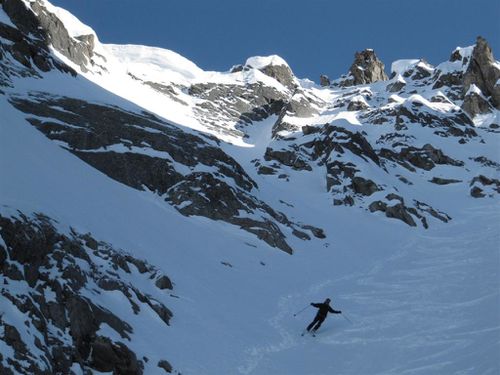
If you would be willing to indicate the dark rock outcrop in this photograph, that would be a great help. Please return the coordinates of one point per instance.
(483, 186)
(112, 356)
(281, 73)
(300, 104)
(366, 68)
(148, 150)
(357, 104)
(79, 50)
(483, 72)
(165, 365)
(324, 80)
(444, 181)
(424, 158)
(407, 212)
(452, 79)
(41, 29)
(223, 105)
(453, 124)
(28, 45)
(396, 86)
(363, 186)
(288, 158)
(60, 271)
(475, 103)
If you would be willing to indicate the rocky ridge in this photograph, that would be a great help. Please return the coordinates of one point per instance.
(140, 149)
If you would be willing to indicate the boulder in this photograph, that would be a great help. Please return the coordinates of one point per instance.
(363, 186)
(112, 356)
(477, 192)
(400, 212)
(444, 181)
(163, 282)
(165, 365)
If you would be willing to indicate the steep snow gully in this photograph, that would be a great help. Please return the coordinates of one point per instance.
(157, 218)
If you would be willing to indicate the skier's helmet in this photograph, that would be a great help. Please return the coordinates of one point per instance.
(328, 300)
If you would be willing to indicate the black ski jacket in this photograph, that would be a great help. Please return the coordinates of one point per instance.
(324, 309)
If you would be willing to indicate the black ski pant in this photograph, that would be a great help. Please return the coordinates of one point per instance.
(316, 323)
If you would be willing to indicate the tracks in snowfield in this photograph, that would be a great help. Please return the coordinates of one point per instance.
(288, 338)
(431, 307)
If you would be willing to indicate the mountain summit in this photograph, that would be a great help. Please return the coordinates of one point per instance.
(150, 208)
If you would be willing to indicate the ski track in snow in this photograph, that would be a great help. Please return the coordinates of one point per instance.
(422, 313)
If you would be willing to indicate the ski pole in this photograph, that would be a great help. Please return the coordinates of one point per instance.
(345, 317)
(297, 313)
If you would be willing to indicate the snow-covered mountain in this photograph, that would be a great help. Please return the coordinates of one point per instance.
(156, 217)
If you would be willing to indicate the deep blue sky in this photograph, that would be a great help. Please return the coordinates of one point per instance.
(314, 36)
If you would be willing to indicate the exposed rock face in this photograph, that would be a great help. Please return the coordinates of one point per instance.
(366, 68)
(363, 186)
(229, 104)
(450, 76)
(470, 68)
(397, 211)
(288, 158)
(339, 151)
(483, 72)
(27, 45)
(280, 72)
(420, 71)
(475, 103)
(452, 124)
(56, 273)
(396, 86)
(143, 151)
(80, 50)
(357, 104)
(424, 158)
(300, 104)
(49, 30)
(483, 186)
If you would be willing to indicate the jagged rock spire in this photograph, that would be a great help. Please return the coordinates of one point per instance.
(367, 68)
(483, 72)
(324, 80)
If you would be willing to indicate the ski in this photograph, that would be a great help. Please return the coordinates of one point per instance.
(311, 333)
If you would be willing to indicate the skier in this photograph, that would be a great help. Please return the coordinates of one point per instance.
(323, 310)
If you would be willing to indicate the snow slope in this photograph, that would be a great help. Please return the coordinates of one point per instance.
(420, 303)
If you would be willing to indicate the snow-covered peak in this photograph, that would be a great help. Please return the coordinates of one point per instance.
(464, 51)
(259, 62)
(405, 66)
(401, 66)
(459, 60)
(154, 64)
